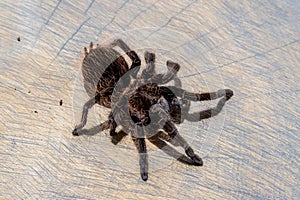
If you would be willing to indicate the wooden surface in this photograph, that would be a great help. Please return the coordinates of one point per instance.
(250, 150)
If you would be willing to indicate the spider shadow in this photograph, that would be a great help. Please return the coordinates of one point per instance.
(161, 144)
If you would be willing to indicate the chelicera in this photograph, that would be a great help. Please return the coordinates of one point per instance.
(140, 103)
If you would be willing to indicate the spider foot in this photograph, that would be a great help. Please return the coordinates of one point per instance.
(173, 65)
(75, 132)
(229, 93)
(197, 160)
(149, 57)
(144, 176)
(112, 132)
(144, 166)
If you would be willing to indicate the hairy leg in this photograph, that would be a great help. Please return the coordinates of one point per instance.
(176, 67)
(85, 110)
(149, 71)
(93, 131)
(140, 144)
(173, 68)
(198, 116)
(136, 61)
(178, 140)
(113, 125)
(166, 137)
(227, 93)
(90, 103)
(159, 141)
(150, 65)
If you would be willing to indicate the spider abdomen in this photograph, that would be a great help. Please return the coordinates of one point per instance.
(102, 68)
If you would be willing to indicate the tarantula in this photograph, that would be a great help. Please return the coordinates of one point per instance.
(138, 102)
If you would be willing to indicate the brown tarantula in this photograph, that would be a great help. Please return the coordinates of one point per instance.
(139, 104)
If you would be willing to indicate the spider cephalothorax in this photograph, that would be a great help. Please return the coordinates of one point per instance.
(140, 103)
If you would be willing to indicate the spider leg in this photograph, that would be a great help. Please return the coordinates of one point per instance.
(173, 65)
(171, 74)
(104, 125)
(150, 65)
(136, 61)
(227, 93)
(159, 141)
(176, 67)
(140, 144)
(149, 72)
(198, 116)
(113, 125)
(163, 136)
(85, 110)
(178, 140)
